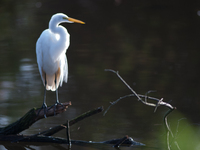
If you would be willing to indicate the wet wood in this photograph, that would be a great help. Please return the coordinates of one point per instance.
(30, 118)
(126, 141)
(68, 135)
(121, 141)
(11, 132)
(87, 114)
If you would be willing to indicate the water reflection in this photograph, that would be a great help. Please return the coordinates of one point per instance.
(5, 90)
(27, 78)
(24, 81)
(4, 120)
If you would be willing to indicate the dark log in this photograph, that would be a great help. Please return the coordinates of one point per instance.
(49, 139)
(121, 141)
(10, 133)
(56, 129)
(26, 138)
(68, 135)
(31, 117)
(126, 141)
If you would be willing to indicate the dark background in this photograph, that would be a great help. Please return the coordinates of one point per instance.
(153, 44)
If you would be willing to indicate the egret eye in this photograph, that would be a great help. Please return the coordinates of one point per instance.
(65, 17)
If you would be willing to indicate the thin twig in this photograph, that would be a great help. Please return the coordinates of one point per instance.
(146, 97)
(116, 72)
(176, 135)
(168, 145)
(121, 141)
(55, 129)
(68, 135)
(113, 103)
(159, 102)
(166, 123)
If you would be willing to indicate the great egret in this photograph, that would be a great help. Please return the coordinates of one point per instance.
(51, 47)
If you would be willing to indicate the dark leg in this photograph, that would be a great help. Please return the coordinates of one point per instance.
(57, 101)
(44, 105)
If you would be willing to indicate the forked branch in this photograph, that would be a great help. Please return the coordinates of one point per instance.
(30, 118)
(159, 102)
(143, 99)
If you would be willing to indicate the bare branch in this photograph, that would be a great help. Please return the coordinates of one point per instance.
(30, 118)
(159, 102)
(116, 72)
(113, 103)
(56, 129)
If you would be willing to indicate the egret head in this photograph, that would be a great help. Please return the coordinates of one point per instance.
(60, 18)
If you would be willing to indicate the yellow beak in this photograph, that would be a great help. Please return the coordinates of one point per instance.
(75, 20)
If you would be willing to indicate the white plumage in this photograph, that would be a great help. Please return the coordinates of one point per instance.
(51, 57)
(51, 50)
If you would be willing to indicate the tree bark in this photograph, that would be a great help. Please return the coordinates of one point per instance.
(56, 129)
(10, 132)
(31, 117)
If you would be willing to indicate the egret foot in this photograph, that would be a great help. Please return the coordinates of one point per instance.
(44, 106)
(55, 107)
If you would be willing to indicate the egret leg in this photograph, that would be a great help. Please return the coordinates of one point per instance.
(44, 105)
(57, 101)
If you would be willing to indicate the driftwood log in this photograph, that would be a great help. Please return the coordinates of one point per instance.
(31, 117)
(11, 132)
(125, 141)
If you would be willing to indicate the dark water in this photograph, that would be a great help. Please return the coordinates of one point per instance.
(154, 46)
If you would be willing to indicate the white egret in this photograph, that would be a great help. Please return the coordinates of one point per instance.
(51, 47)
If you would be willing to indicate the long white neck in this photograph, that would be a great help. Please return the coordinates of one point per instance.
(62, 43)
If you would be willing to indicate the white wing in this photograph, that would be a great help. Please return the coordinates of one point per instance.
(41, 46)
(64, 69)
(47, 64)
